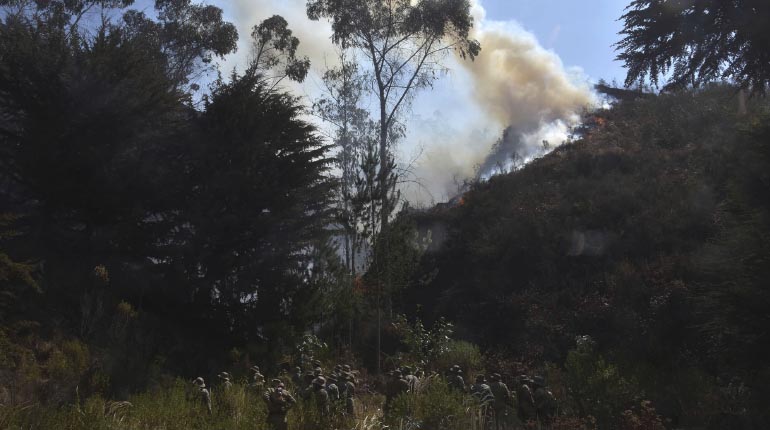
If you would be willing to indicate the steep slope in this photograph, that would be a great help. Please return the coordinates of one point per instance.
(647, 234)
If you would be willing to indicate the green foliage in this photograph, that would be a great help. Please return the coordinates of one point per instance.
(459, 352)
(207, 215)
(436, 406)
(16, 281)
(697, 42)
(69, 361)
(423, 346)
(646, 233)
(396, 256)
(311, 348)
(597, 387)
(170, 407)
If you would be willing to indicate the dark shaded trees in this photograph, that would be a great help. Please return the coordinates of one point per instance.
(275, 51)
(697, 41)
(259, 203)
(207, 222)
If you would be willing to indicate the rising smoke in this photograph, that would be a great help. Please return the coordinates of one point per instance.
(524, 88)
(520, 94)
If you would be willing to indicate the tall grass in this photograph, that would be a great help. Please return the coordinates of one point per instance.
(176, 407)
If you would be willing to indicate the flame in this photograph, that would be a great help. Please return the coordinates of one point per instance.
(461, 202)
(601, 122)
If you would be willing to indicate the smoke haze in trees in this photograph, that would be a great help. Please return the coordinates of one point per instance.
(456, 129)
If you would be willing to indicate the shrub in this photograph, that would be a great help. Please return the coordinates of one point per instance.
(464, 354)
(436, 406)
(597, 387)
(645, 419)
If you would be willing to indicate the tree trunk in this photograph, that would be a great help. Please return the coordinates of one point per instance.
(383, 162)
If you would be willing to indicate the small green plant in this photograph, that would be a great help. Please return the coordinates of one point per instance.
(437, 406)
(423, 346)
(462, 353)
(596, 386)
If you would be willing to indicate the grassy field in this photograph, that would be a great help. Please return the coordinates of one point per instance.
(175, 406)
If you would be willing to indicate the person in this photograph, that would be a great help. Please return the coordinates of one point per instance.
(545, 402)
(296, 377)
(318, 394)
(396, 386)
(333, 389)
(258, 380)
(307, 380)
(349, 393)
(455, 379)
(410, 378)
(203, 393)
(502, 400)
(525, 402)
(482, 391)
(337, 371)
(226, 381)
(278, 401)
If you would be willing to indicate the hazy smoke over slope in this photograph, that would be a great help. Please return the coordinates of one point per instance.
(514, 82)
(520, 86)
(525, 87)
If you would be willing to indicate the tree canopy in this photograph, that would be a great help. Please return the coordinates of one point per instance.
(403, 42)
(210, 216)
(695, 41)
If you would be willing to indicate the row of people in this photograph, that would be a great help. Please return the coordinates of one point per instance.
(336, 392)
(534, 401)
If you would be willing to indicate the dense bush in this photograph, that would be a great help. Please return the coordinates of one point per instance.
(436, 406)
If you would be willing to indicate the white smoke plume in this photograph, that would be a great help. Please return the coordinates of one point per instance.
(514, 83)
(520, 86)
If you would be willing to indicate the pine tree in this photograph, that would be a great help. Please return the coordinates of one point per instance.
(697, 41)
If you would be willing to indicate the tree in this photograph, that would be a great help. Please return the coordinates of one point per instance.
(259, 205)
(189, 36)
(85, 127)
(352, 133)
(697, 41)
(403, 42)
(275, 50)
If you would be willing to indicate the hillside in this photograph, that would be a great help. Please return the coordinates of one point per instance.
(649, 234)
